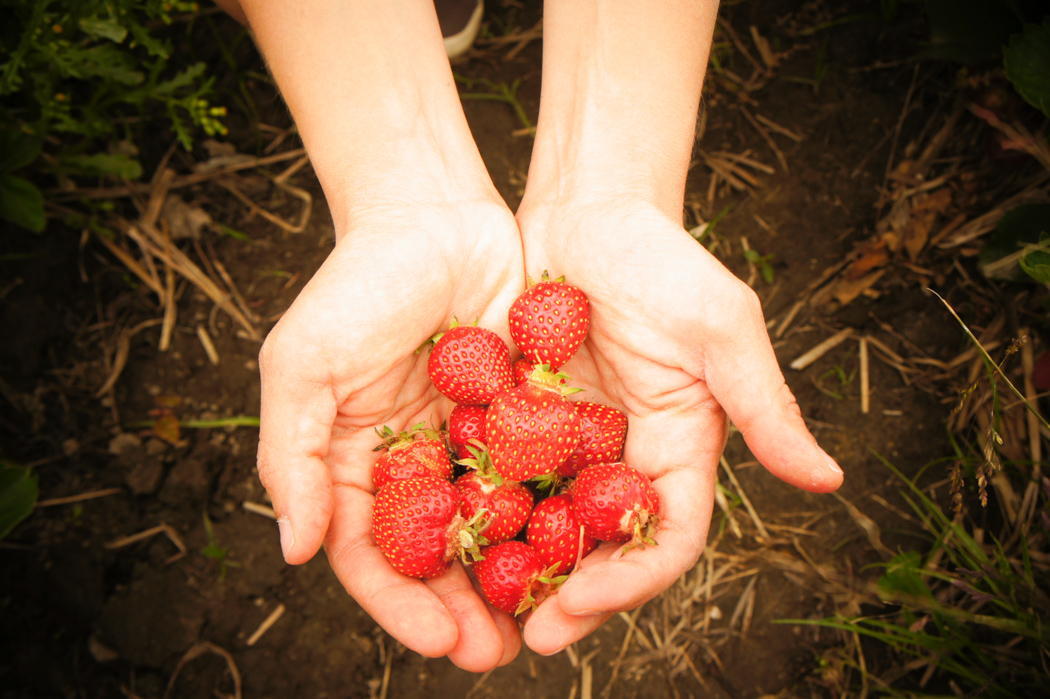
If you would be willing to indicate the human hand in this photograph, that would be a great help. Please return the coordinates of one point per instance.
(678, 343)
(342, 361)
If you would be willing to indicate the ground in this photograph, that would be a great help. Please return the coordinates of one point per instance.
(97, 617)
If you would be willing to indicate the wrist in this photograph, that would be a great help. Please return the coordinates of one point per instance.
(621, 89)
(369, 86)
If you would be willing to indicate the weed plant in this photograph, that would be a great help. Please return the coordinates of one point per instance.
(80, 83)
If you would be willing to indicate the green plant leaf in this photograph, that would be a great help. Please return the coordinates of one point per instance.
(17, 148)
(102, 61)
(1020, 227)
(1036, 264)
(21, 203)
(1027, 61)
(903, 576)
(103, 29)
(18, 494)
(118, 164)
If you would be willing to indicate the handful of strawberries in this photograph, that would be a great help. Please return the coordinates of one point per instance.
(518, 437)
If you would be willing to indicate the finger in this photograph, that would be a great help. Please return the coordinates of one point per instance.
(508, 626)
(295, 426)
(743, 374)
(405, 607)
(480, 646)
(550, 630)
(510, 630)
(680, 454)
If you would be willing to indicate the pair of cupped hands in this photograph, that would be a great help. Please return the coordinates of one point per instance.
(676, 342)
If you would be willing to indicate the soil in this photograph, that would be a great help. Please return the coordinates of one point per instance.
(88, 618)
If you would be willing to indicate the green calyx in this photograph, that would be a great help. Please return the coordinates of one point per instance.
(545, 277)
(542, 585)
(393, 440)
(547, 482)
(470, 536)
(643, 525)
(481, 464)
(454, 323)
(556, 381)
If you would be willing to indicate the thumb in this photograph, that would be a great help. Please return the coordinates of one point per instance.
(295, 426)
(742, 373)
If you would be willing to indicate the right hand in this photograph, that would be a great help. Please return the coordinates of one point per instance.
(342, 361)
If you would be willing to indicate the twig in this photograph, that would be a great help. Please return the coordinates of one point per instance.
(161, 528)
(897, 130)
(763, 534)
(865, 400)
(209, 347)
(783, 130)
(867, 525)
(266, 624)
(176, 183)
(120, 355)
(91, 495)
(175, 258)
(258, 509)
(170, 309)
(767, 138)
(198, 650)
(807, 358)
(784, 324)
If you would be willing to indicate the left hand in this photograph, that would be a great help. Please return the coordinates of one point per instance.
(678, 343)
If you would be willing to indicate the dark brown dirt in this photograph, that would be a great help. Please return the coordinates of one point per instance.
(86, 620)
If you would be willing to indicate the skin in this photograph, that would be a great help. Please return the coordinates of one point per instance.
(676, 341)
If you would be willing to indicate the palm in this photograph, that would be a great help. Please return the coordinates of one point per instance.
(343, 361)
(676, 342)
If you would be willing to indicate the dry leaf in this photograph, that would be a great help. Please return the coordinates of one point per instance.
(918, 232)
(872, 256)
(845, 290)
(184, 221)
(167, 401)
(167, 428)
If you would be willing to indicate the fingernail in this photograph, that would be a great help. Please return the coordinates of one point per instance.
(287, 537)
(553, 652)
(832, 464)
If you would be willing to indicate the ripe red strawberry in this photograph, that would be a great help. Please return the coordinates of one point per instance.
(615, 502)
(419, 525)
(522, 370)
(507, 505)
(531, 428)
(557, 536)
(417, 452)
(469, 364)
(602, 433)
(466, 422)
(512, 577)
(548, 322)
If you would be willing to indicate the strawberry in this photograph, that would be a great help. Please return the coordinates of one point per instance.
(466, 422)
(557, 536)
(522, 368)
(532, 428)
(548, 322)
(408, 456)
(615, 502)
(513, 578)
(419, 525)
(602, 433)
(469, 364)
(508, 504)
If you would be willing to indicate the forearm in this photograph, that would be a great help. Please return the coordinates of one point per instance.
(369, 86)
(621, 88)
